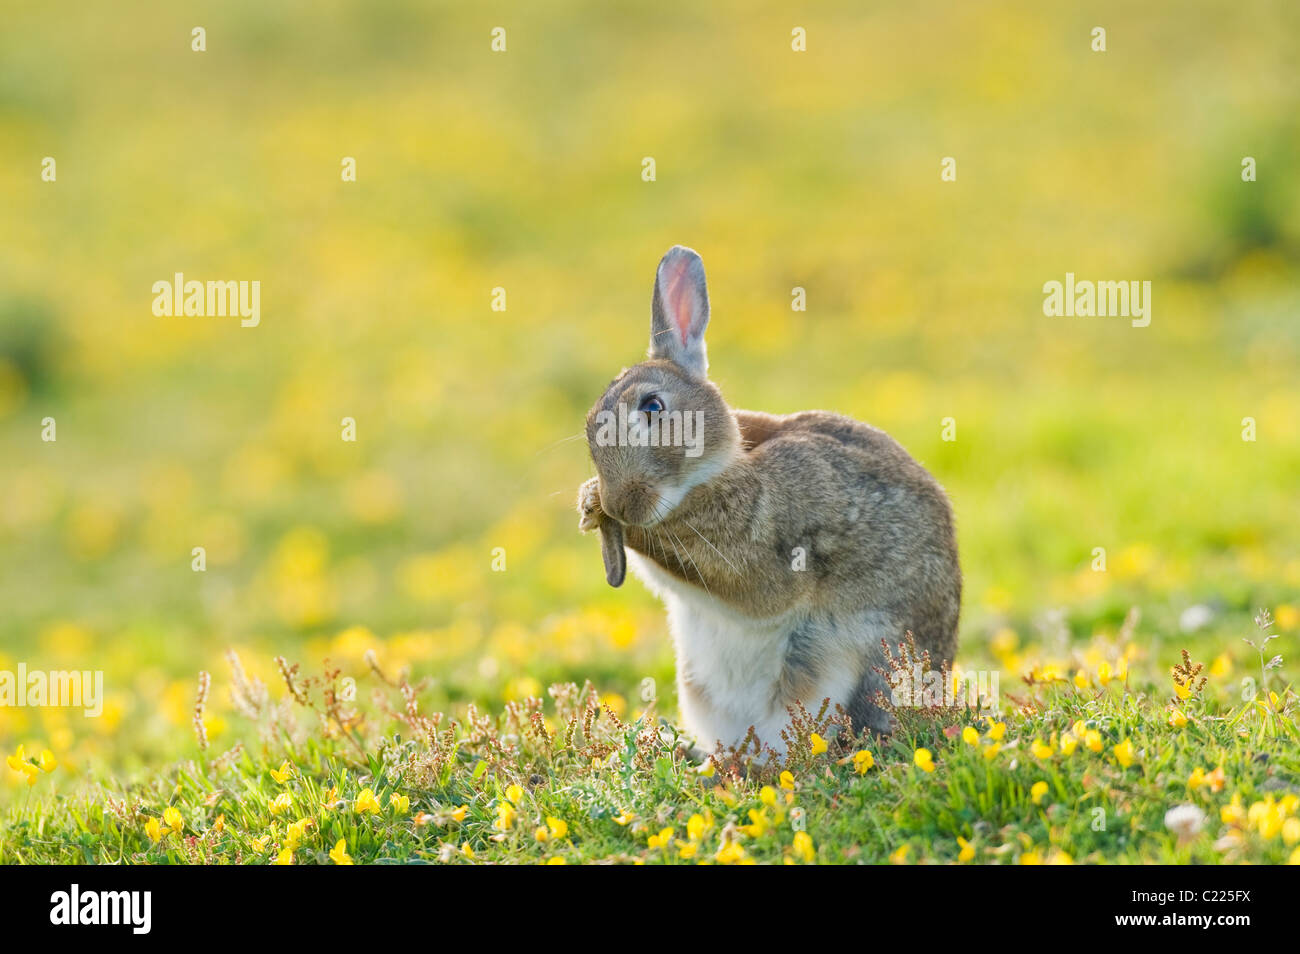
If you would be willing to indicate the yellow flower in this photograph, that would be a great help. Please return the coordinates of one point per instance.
(1196, 779)
(767, 795)
(400, 803)
(1124, 753)
(515, 794)
(1233, 813)
(624, 818)
(1031, 858)
(339, 854)
(731, 852)
(697, 825)
(662, 839)
(283, 774)
(459, 812)
(997, 731)
(758, 824)
(220, 824)
(153, 829)
(924, 760)
(1069, 742)
(1181, 691)
(990, 751)
(899, 855)
(970, 735)
(331, 799)
(173, 819)
(1037, 792)
(787, 781)
(506, 814)
(803, 847)
(19, 763)
(1291, 831)
(1103, 673)
(818, 744)
(467, 851)
(686, 849)
(1176, 717)
(259, 844)
(295, 832)
(285, 857)
(558, 826)
(1222, 665)
(281, 803)
(1041, 749)
(1081, 679)
(862, 761)
(366, 802)
(541, 833)
(48, 764)
(556, 860)
(1092, 739)
(1295, 857)
(967, 852)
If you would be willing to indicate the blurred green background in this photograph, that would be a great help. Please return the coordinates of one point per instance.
(523, 170)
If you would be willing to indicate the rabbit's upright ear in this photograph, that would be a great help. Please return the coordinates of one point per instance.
(680, 311)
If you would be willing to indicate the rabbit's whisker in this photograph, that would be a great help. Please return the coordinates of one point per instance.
(711, 546)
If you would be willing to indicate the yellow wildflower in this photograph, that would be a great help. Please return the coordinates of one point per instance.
(283, 774)
(803, 847)
(924, 760)
(1037, 792)
(339, 854)
(1124, 753)
(970, 735)
(366, 802)
(400, 803)
(281, 803)
(153, 829)
(818, 744)
(967, 852)
(660, 840)
(173, 819)
(862, 761)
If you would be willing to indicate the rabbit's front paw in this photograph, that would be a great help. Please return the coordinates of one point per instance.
(589, 512)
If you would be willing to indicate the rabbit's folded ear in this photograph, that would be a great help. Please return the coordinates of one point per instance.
(680, 311)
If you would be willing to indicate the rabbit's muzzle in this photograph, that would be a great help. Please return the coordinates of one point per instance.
(631, 502)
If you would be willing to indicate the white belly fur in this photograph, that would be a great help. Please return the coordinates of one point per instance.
(736, 661)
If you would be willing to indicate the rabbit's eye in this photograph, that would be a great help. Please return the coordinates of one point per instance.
(651, 404)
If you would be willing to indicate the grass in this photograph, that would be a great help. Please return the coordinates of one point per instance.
(1082, 762)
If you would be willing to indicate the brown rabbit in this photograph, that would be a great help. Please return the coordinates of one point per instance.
(784, 547)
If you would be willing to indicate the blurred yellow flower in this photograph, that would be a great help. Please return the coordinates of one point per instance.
(400, 803)
(1037, 792)
(924, 760)
(366, 802)
(967, 852)
(1124, 753)
(339, 853)
(281, 803)
(818, 744)
(970, 735)
(283, 774)
(803, 847)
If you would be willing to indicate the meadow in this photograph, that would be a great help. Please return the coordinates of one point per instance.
(448, 708)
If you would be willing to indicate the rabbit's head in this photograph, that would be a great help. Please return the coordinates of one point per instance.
(661, 428)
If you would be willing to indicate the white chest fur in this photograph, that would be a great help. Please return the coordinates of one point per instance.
(732, 662)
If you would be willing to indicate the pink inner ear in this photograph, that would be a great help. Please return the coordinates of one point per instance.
(678, 299)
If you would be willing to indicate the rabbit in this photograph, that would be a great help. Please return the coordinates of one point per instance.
(785, 548)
